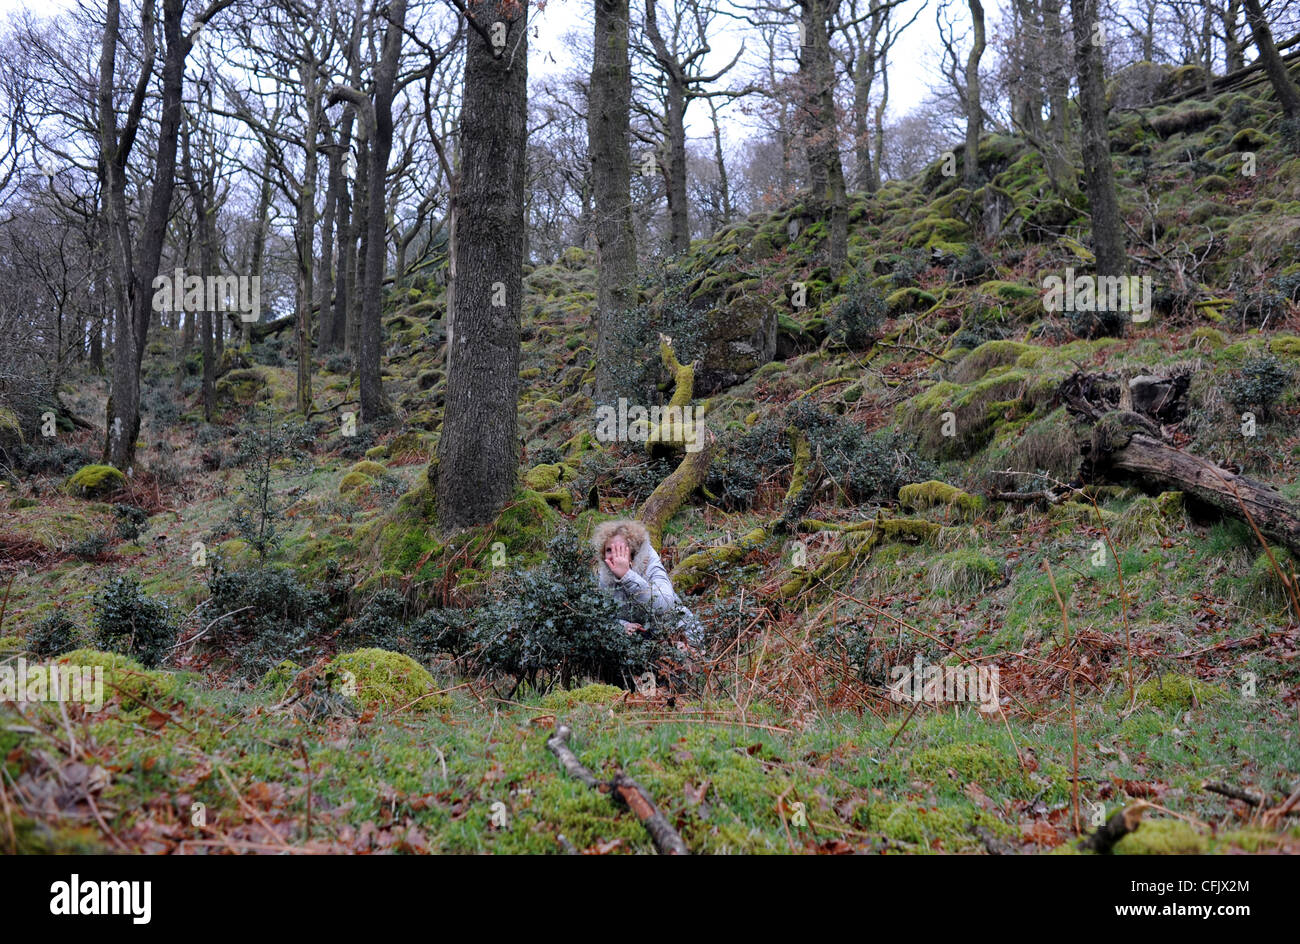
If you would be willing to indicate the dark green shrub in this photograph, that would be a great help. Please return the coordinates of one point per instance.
(52, 636)
(857, 319)
(130, 521)
(129, 621)
(273, 616)
(1259, 384)
(553, 625)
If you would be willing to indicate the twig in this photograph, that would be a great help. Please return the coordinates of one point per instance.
(666, 839)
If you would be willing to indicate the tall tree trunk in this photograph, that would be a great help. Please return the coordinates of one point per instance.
(974, 109)
(609, 103)
(1060, 169)
(373, 402)
(306, 236)
(478, 453)
(358, 243)
(1233, 50)
(138, 270)
(724, 186)
(825, 169)
(1288, 95)
(1107, 233)
(199, 193)
(325, 340)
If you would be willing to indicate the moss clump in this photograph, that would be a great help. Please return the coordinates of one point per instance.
(1176, 693)
(92, 481)
(11, 644)
(18, 504)
(1287, 345)
(963, 571)
(124, 675)
(1206, 338)
(949, 828)
(354, 481)
(976, 762)
(526, 524)
(1250, 139)
(390, 680)
(932, 493)
(276, 681)
(11, 430)
(909, 299)
(595, 694)
(366, 467)
(377, 452)
(544, 477)
(1162, 837)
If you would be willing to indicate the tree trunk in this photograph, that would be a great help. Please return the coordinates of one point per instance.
(826, 170)
(135, 293)
(1060, 169)
(358, 243)
(1107, 235)
(1233, 51)
(609, 102)
(325, 339)
(478, 453)
(1285, 90)
(373, 402)
(974, 110)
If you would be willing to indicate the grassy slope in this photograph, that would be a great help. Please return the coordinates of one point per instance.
(779, 727)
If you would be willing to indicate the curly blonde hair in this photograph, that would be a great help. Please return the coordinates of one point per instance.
(632, 531)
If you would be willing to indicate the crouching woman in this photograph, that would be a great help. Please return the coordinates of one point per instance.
(628, 567)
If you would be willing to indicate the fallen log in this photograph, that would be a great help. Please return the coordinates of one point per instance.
(1126, 443)
(621, 788)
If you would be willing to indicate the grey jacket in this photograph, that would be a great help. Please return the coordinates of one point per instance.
(646, 583)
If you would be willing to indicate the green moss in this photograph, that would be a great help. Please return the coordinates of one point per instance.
(390, 680)
(94, 480)
(11, 430)
(596, 694)
(910, 299)
(1250, 139)
(18, 504)
(354, 481)
(276, 681)
(1206, 338)
(1285, 345)
(932, 493)
(1176, 693)
(122, 674)
(964, 571)
(11, 644)
(377, 452)
(1162, 837)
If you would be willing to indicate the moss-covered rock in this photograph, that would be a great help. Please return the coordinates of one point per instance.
(93, 481)
(1177, 693)
(934, 493)
(595, 694)
(390, 680)
(1162, 837)
(125, 676)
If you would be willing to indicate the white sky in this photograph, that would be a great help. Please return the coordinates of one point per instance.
(913, 67)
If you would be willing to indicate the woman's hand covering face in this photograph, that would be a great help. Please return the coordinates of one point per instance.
(618, 556)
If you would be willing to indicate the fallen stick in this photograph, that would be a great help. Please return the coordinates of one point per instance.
(1121, 823)
(623, 788)
(1232, 792)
